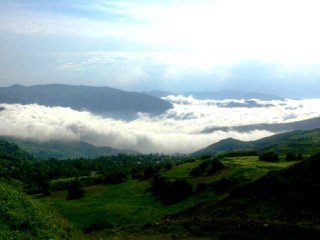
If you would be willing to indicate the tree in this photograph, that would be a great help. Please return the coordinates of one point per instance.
(149, 172)
(75, 191)
(290, 156)
(215, 167)
(45, 188)
(115, 178)
(170, 191)
(269, 157)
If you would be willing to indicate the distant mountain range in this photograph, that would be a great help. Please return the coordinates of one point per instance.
(232, 95)
(220, 95)
(64, 149)
(295, 141)
(309, 124)
(94, 99)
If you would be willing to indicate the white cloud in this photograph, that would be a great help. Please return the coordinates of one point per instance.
(210, 31)
(178, 130)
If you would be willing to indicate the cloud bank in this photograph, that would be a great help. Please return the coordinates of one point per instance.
(177, 130)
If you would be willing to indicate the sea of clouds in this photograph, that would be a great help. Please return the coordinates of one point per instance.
(179, 130)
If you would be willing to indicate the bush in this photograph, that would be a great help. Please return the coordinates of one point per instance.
(75, 191)
(171, 192)
(149, 172)
(22, 217)
(115, 178)
(269, 157)
(208, 167)
(292, 156)
(168, 166)
(223, 185)
(215, 167)
(201, 188)
(204, 157)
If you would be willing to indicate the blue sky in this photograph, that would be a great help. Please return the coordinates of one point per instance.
(207, 45)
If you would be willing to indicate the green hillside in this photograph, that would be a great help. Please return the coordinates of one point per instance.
(118, 210)
(64, 149)
(280, 205)
(235, 195)
(11, 152)
(307, 142)
(24, 218)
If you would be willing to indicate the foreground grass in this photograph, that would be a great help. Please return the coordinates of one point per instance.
(118, 205)
(24, 218)
(116, 209)
(249, 168)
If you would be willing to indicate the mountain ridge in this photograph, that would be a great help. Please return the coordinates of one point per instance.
(218, 95)
(62, 149)
(283, 142)
(81, 97)
(307, 124)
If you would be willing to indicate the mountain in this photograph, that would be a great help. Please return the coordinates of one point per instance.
(159, 93)
(308, 124)
(94, 99)
(221, 95)
(64, 149)
(6, 99)
(295, 141)
(11, 152)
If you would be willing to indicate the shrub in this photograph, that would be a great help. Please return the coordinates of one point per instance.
(204, 157)
(269, 157)
(75, 191)
(22, 217)
(200, 188)
(171, 192)
(209, 167)
(292, 156)
(223, 185)
(115, 178)
(215, 167)
(168, 166)
(149, 172)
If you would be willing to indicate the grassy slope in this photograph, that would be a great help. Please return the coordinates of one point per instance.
(281, 205)
(306, 142)
(63, 149)
(129, 205)
(24, 218)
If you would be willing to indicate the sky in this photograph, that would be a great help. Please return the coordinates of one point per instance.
(178, 130)
(269, 46)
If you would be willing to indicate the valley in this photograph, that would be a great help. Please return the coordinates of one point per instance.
(125, 196)
(159, 120)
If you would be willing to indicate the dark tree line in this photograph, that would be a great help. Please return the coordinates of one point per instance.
(37, 175)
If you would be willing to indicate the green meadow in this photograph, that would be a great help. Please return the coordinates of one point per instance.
(115, 208)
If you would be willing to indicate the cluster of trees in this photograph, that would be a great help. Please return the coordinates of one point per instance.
(269, 157)
(170, 191)
(292, 156)
(37, 175)
(274, 157)
(207, 167)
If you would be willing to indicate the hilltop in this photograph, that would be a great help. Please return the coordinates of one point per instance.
(61, 149)
(295, 141)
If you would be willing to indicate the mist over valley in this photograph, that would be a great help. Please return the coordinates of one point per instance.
(171, 124)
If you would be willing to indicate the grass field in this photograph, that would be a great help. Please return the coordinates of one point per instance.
(130, 205)
(249, 168)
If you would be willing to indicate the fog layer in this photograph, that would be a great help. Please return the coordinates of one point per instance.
(177, 130)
